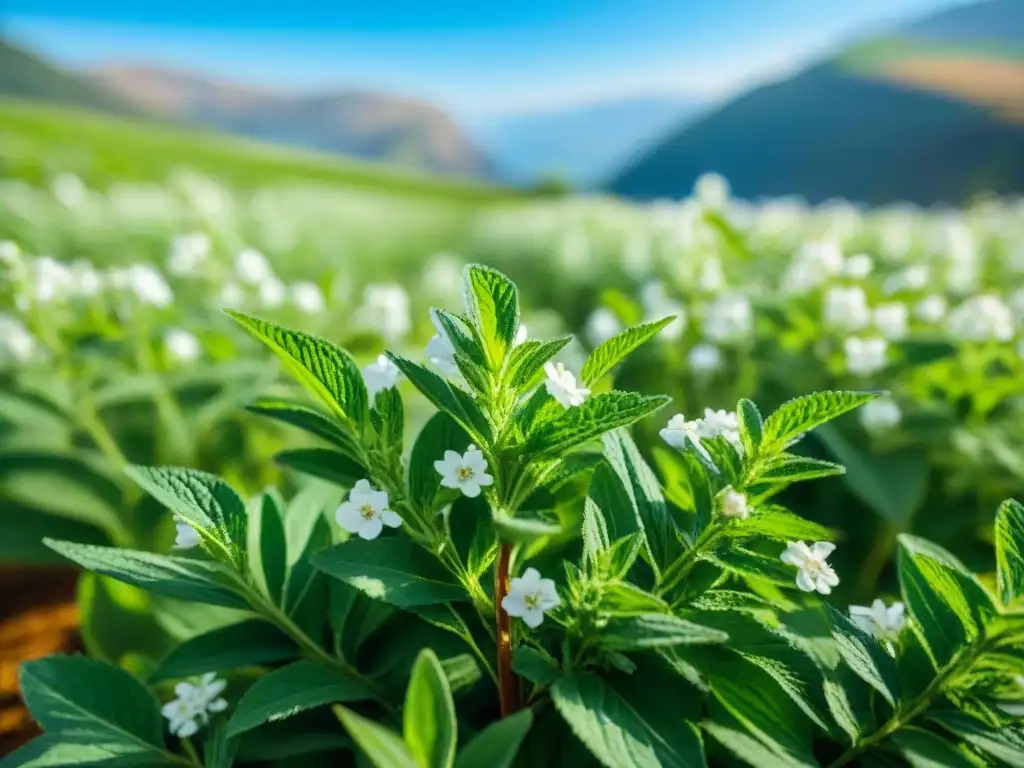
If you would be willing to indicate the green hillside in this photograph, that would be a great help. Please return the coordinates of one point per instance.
(37, 140)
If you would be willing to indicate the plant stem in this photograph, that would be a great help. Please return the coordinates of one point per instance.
(680, 569)
(190, 751)
(508, 687)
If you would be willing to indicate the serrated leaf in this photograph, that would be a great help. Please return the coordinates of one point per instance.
(383, 748)
(611, 729)
(246, 644)
(309, 420)
(287, 691)
(447, 398)
(267, 548)
(392, 569)
(429, 725)
(1009, 536)
(1004, 744)
(865, 656)
(616, 349)
(522, 529)
(492, 302)
(595, 531)
(778, 523)
(388, 418)
(753, 564)
(924, 749)
(497, 744)
(527, 360)
(322, 367)
(462, 342)
(625, 599)
(597, 415)
(181, 577)
(324, 463)
(203, 500)
(636, 633)
(803, 414)
(751, 427)
(789, 468)
(536, 666)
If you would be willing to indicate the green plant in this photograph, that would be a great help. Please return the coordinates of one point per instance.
(669, 631)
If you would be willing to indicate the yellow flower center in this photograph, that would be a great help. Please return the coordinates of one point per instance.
(532, 601)
(367, 512)
(464, 473)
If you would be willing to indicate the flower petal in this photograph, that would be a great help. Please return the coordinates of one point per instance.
(804, 581)
(484, 479)
(513, 605)
(470, 488)
(533, 617)
(796, 554)
(370, 529)
(822, 549)
(349, 517)
(390, 518)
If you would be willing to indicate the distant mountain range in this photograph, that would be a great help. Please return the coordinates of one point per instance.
(581, 145)
(933, 113)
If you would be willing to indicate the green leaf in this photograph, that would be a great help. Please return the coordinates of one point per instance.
(203, 500)
(790, 468)
(865, 656)
(266, 549)
(947, 603)
(325, 369)
(383, 748)
(778, 523)
(637, 633)
(106, 705)
(89, 750)
(753, 564)
(391, 569)
(523, 529)
(309, 420)
(441, 433)
(611, 729)
(597, 415)
(497, 744)
(462, 342)
(616, 349)
(595, 531)
(620, 555)
(219, 751)
(924, 749)
(625, 599)
(536, 666)
(803, 414)
(246, 644)
(287, 691)
(333, 466)
(527, 360)
(644, 492)
(749, 749)
(1005, 744)
(751, 427)
(429, 725)
(22, 530)
(1009, 537)
(181, 577)
(447, 398)
(388, 417)
(492, 302)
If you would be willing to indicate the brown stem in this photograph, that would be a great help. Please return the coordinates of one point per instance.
(508, 684)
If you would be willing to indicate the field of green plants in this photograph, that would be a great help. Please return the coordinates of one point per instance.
(690, 624)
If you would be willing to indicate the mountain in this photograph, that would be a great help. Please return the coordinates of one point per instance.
(933, 113)
(25, 76)
(583, 144)
(370, 126)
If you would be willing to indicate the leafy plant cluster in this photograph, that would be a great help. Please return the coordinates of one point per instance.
(524, 589)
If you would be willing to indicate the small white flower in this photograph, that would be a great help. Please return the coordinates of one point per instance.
(711, 191)
(440, 351)
(187, 254)
(185, 536)
(930, 309)
(69, 189)
(529, 597)
(442, 275)
(466, 472)
(704, 359)
(729, 318)
(149, 286)
(561, 385)
(721, 424)
(711, 278)
(679, 432)
(879, 621)
(272, 292)
(379, 375)
(865, 356)
(601, 326)
(521, 334)
(366, 512)
(385, 308)
(981, 318)
(814, 573)
(913, 278)
(231, 296)
(10, 253)
(658, 305)
(858, 266)
(734, 504)
(252, 266)
(880, 415)
(308, 298)
(16, 342)
(192, 705)
(182, 345)
(891, 319)
(846, 308)
(53, 279)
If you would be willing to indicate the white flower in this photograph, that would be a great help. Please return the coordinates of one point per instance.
(379, 375)
(252, 266)
(879, 621)
(880, 415)
(366, 512)
(891, 319)
(813, 264)
(730, 318)
(981, 318)
(704, 359)
(272, 292)
(187, 253)
(231, 296)
(561, 385)
(521, 335)
(442, 275)
(865, 356)
(814, 573)
(466, 472)
(86, 280)
(858, 266)
(185, 536)
(69, 189)
(440, 351)
(16, 342)
(678, 432)
(149, 286)
(53, 280)
(930, 309)
(601, 326)
(308, 298)
(734, 504)
(10, 253)
(658, 305)
(711, 191)
(913, 278)
(721, 424)
(182, 345)
(846, 308)
(385, 308)
(529, 597)
(711, 278)
(193, 704)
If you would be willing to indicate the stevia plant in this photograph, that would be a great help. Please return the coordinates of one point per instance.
(508, 594)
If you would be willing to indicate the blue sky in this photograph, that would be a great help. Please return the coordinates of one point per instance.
(477, 59)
